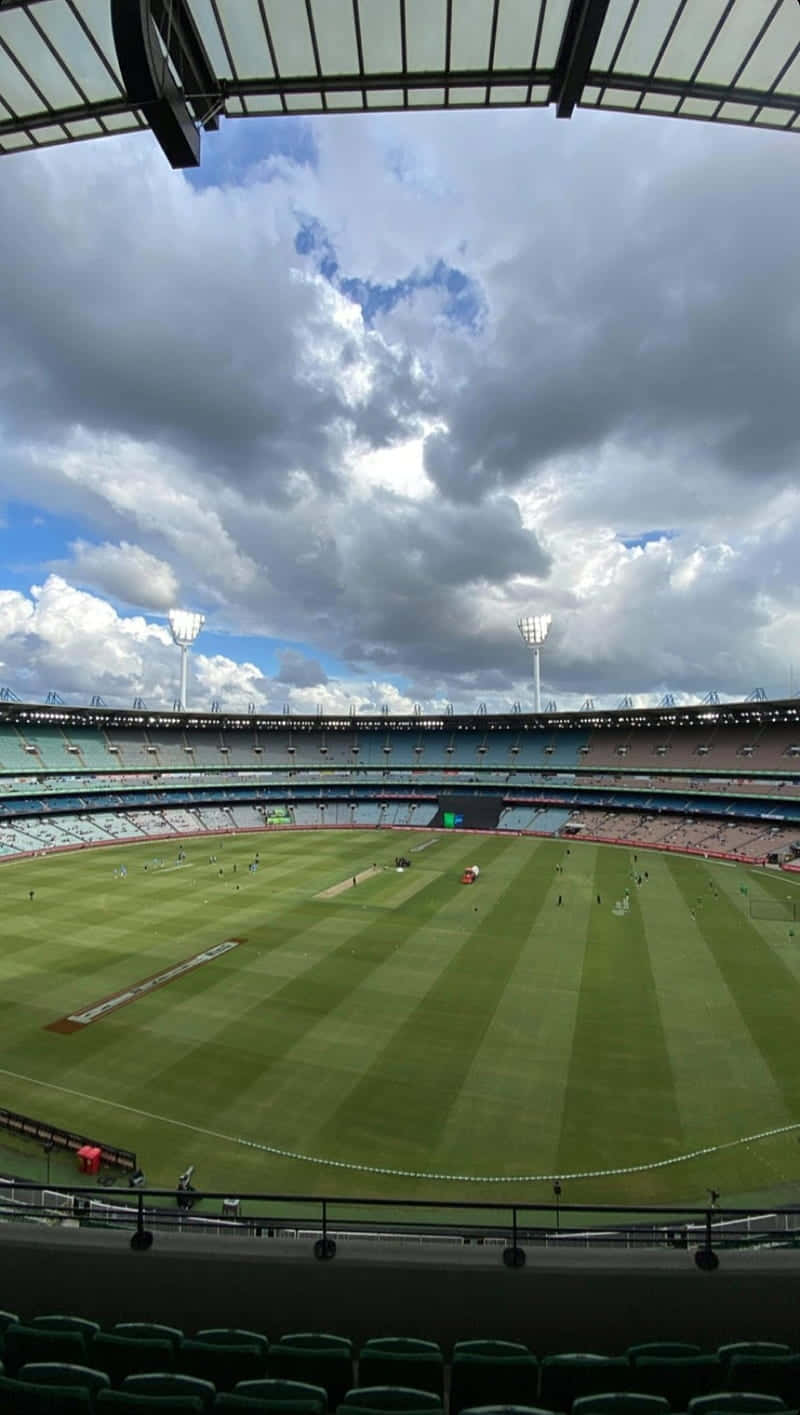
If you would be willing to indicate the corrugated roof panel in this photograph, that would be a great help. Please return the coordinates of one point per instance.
(773, 50)
(552, 29)
(209, 32)
(38, 61)
(517, 28)
(426, 30)
(688, 40)
(96, 15)
(472, 34)
(381, 37)
(291, 36)
(17, 92)
(731, 46)
(335, 31)
(64, 31)
(247, 40)
(645, 35)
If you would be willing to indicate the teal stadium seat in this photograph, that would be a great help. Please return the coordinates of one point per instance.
(123, 1356)
(390, 1399)
(8, 1319)
(154, 1383)
(570, 1375)
(767, 1374)
(22, 1344)
(662, 1348)
(26, 1398)
(149, 1331)
(233, 1400)
(751, 1348)
(223, 1365)
(296, 1396)
(736, 1402)
(620, 1402)
(315, 1357)
(59, 1322)
(678, 1378)
(492, 1372)
(232, 1336)
(57, 1373)
(405, 1361)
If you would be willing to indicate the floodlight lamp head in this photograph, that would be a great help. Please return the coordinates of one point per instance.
(184, 626)
(534, 627)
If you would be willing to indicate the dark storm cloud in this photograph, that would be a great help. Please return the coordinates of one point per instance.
(681, 316)
(300, 671)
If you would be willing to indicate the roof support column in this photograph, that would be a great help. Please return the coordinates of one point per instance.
(579, 38)
(154, 40)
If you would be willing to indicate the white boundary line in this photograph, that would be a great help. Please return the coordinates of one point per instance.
(404, 1173)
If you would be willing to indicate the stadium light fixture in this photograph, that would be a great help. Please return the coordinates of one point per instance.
(534, 629)
(184, 626)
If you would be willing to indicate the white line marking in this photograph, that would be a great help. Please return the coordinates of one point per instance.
(402, 1173)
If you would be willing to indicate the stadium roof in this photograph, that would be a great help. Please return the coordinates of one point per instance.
(74, 69)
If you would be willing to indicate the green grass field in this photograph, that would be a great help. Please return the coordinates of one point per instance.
(411, 1023)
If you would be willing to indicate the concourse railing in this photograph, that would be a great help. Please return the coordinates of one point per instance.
(324, 1221)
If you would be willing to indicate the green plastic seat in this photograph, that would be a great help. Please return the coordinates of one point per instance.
(568, 1376)
(62, 1322)
(26, 1398)
(8, 1319)
(286, 1395)
(739, 1401)
(23, 1344)
(506, 1410)
(126, 1402)
(123, 1356)
(58, 1373)
(669, 1349)
(768, 1374)
(224, 1366)
(315, 1358)
(168, 1383)
(391, 1398)
(398, 1360)
(620, 1402)
(752, 1348)
(678, 1378)
(149, 1331)
(492, 1373)
(232, 1336)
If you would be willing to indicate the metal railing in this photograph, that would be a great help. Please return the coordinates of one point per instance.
(328, 1220)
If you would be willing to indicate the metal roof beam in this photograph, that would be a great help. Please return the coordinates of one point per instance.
(148, 79)
(578, 42)
(187, 52)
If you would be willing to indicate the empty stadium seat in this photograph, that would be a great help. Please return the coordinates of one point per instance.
(27, 1398)
(620, 1402)
(223, 1365)
(149, 1331)
(8, 1319)
(678, 1378)
(232, 1336)
(389, 1399)
(22, 1344)
(123, 1356)
(662, 1348)
(751, 1348)
(59, 1322)
(315, 1357)
(767, 1374)
(491, 1372)
(740, 1401)
(398, 1360)
(58, 1373)
(570, 1375)
(168, 1383)
(296, 1396)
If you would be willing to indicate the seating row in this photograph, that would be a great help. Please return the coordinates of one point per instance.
(481, 1372)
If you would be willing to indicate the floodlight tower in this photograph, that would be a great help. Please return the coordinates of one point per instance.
(184, 627)
(533, 628)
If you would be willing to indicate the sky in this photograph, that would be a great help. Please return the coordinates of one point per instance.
(363, 390)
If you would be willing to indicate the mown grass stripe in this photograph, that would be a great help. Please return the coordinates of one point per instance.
(620, 1100)
(765, 990)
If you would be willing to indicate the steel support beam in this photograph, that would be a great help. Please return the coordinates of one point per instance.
(578, 42)
(145, 33)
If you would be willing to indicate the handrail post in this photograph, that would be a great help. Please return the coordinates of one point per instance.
(142, 1239)
(514, 1256)
(325, 1247)
(705, 1257)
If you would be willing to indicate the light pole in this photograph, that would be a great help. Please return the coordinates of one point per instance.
(533, 628)
(184, 627)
